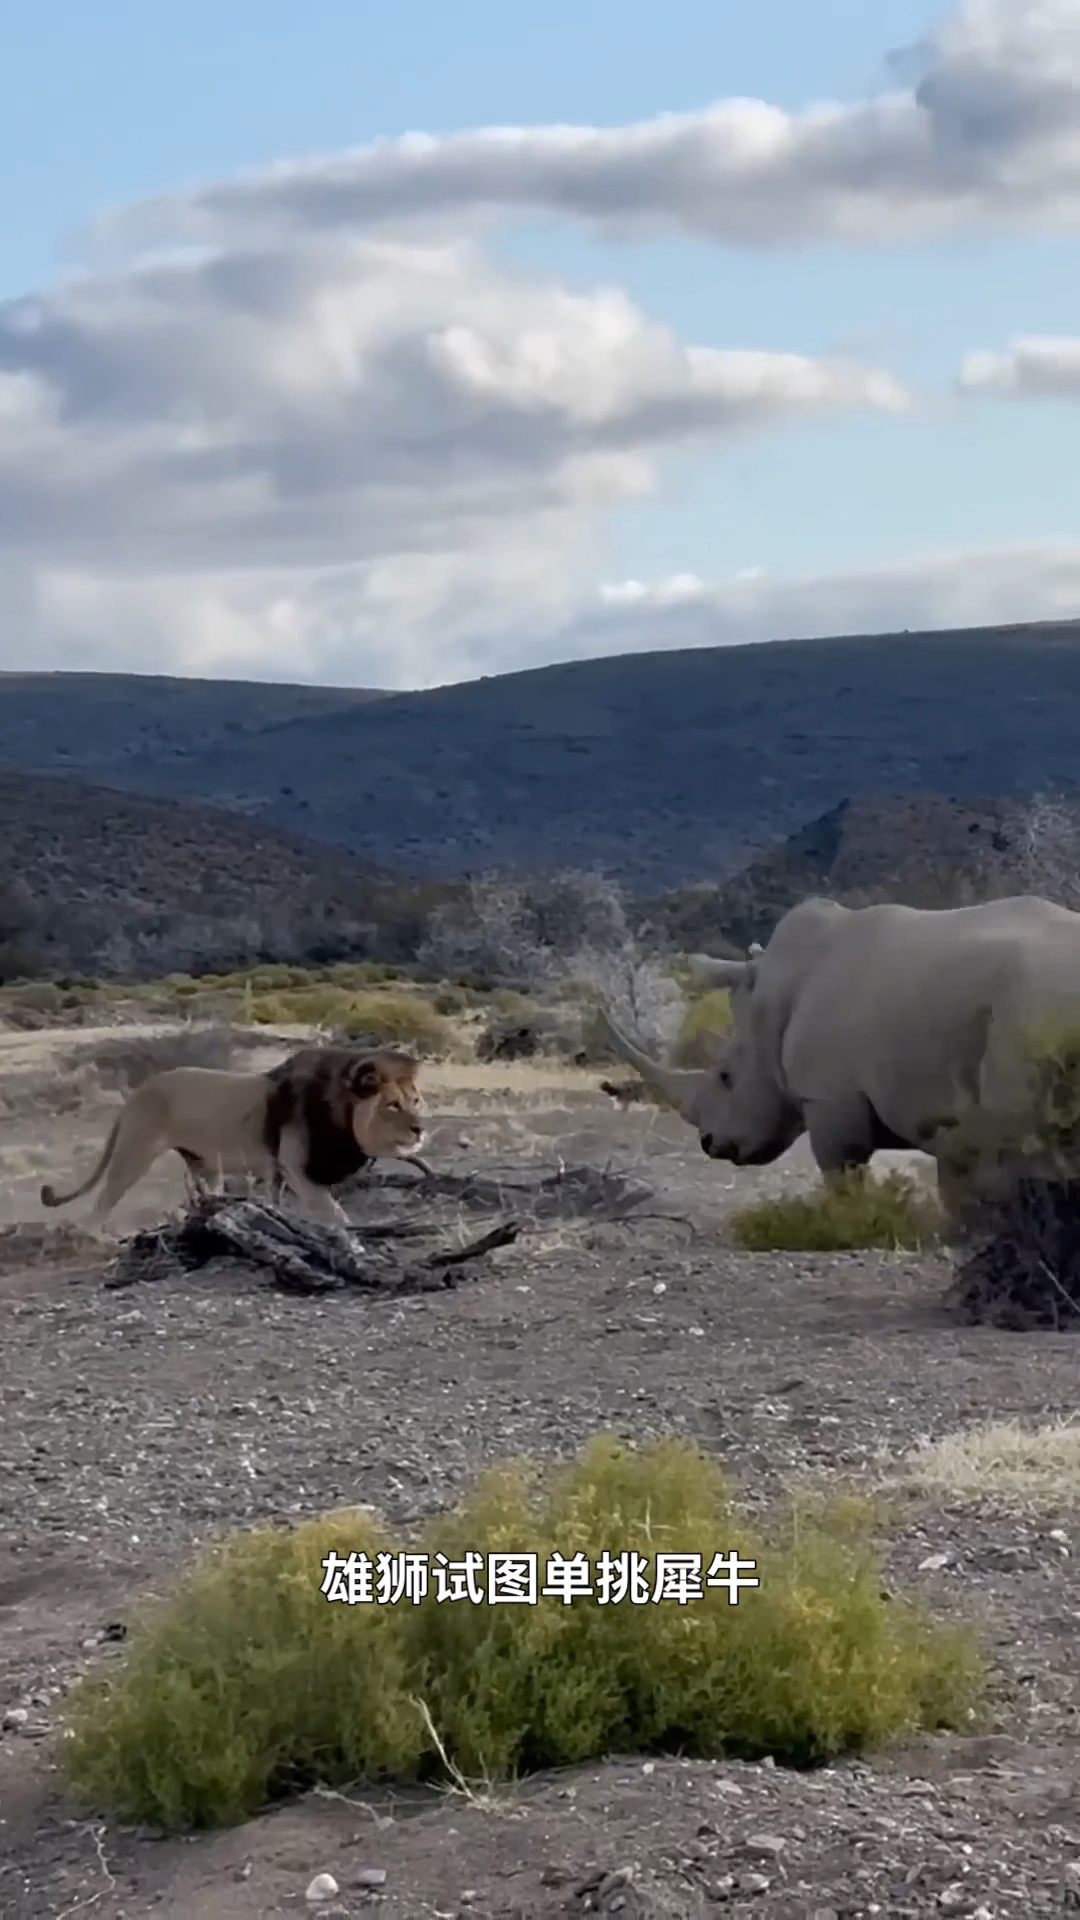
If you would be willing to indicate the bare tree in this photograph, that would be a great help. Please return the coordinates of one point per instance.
(492, 934)
(540, 934)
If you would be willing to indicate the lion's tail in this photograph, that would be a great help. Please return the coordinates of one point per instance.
(49, 1195)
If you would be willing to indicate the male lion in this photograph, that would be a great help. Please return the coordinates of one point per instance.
(309, 1123)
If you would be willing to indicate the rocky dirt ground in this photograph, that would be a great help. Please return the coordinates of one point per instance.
(138, 1423)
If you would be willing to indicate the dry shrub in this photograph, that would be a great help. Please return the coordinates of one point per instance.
(131, 1058)
(36, 996)
(1019, 1224)
(842, 1216)
(248, 1683)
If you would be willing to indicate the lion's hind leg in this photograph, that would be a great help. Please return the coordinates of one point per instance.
(196, 1177)
(132, 1159)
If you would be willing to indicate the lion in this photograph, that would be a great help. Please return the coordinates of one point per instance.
(307, 1124)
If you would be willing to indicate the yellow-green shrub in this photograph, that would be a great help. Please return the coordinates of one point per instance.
(402, 1019)
(841, 1216)
(245, 1684)
(385, 1018)
(706, 1019)
(249, 1683)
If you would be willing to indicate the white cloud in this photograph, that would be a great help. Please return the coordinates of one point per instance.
(958, 587)
(341, 442)
(988, 135)
(1041, 366)
(331, 442)
(432, 621)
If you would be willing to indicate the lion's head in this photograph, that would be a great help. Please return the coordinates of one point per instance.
(387, 1109)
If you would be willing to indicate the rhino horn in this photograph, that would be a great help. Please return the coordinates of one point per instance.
(677, 1086)
(718, 973)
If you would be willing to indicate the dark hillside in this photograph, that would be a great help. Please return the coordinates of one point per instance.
(102, 882)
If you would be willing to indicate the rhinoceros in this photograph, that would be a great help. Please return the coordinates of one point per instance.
(876, 1027)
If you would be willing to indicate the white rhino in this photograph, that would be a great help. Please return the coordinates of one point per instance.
(875, 1027)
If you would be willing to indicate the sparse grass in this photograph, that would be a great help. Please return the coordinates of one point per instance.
(894, 1212)
(248, 1683)
(1001, 1459)
(706, 1020)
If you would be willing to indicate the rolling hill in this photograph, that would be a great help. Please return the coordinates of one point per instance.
(664, 768)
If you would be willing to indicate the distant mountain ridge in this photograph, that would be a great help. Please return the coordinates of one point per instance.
(662, 768)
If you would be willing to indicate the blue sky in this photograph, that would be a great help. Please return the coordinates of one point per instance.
(106, 108)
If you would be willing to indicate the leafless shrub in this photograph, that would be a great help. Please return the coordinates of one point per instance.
(542, 935)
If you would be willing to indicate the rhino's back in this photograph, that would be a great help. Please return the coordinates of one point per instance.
(899, 1003)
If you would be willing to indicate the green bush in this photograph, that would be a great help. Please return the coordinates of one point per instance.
(385, 1019)
(245, 1685)
(403, 1019)
(249, 1684)
(706, 1019)
(841, 1216)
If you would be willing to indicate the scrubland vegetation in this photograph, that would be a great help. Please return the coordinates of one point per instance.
(249, 1682)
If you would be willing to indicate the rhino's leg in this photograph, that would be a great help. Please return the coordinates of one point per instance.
(955, 1194)
(841, 1135)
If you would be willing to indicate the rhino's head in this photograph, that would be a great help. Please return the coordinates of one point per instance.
(740, 1111)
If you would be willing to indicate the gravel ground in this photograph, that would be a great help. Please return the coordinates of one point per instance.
(136, 1424)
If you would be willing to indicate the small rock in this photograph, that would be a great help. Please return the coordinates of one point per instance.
(933, 1563)
(323, 1887)
(768, 1845)
(754, 1883)
(374, 1877)
(953, 1898)
(611, 1882)
(660, 1287)
(14, 1718)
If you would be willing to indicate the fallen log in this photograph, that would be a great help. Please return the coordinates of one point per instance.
(296, 1254)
